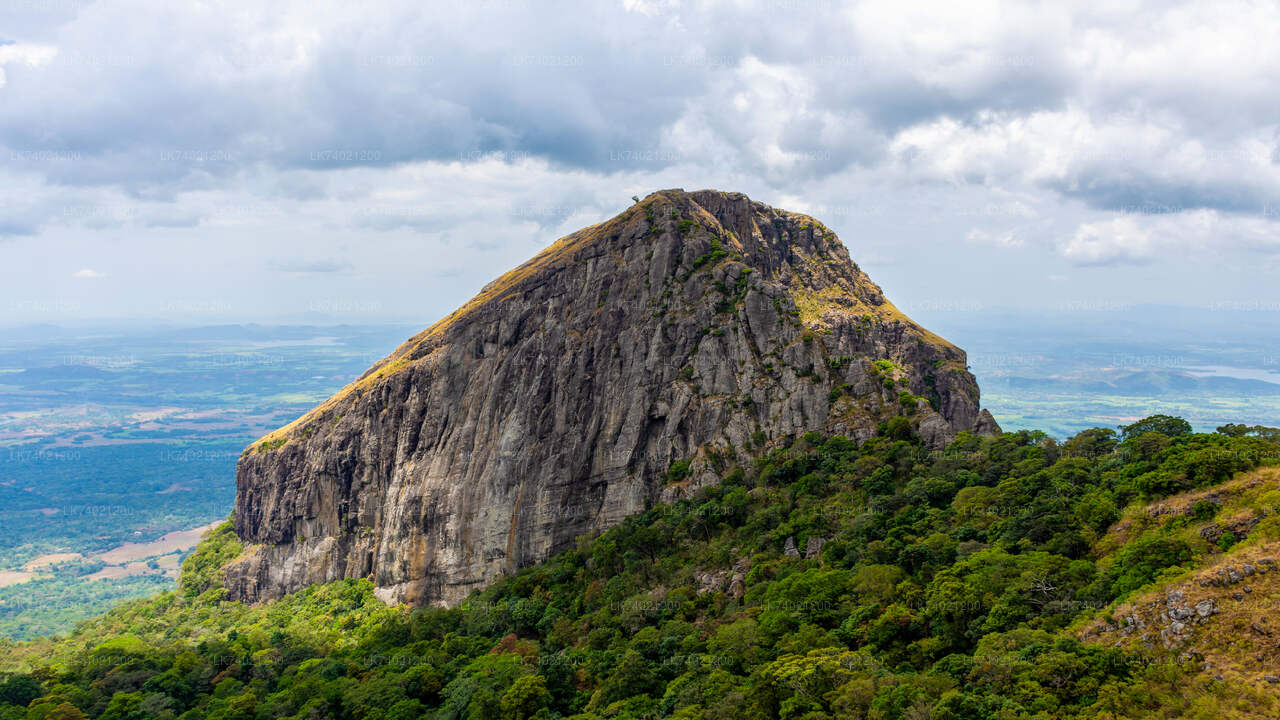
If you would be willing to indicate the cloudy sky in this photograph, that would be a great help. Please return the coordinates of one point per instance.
(205, 161)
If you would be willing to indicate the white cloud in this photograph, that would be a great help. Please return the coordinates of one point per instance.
(1108, 242)
(1006, 238)
(1183, 237)
(194, 135)
(648, 7)
(88, 274)
(1119, 163)
(1117, 107)
(26, 54)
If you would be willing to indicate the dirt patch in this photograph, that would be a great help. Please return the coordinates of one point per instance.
(13, 577)
(51, 559)
(158, 557)
(147, 416)
(172, 542)
(133, 569)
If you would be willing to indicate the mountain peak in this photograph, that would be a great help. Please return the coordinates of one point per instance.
(694, 327)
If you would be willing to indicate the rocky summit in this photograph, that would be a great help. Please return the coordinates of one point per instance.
(622, 366)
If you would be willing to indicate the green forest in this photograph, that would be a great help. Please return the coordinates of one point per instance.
(827, 579)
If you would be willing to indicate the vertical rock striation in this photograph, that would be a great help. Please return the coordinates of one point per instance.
(695, 326)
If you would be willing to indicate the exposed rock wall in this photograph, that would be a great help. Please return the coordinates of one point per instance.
(694, 325)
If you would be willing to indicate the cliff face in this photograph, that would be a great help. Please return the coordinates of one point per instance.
(698, 326)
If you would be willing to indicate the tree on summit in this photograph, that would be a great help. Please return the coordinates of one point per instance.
(1163, 424)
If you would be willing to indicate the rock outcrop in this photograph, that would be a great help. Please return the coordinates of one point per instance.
(694, 328)
(1219, 619)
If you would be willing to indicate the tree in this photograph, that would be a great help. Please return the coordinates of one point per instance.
(64, 711)
(1141, 560)
(406, 710)
(897, 428)
(630, 677)
(1092, 443)
(736, 644)
(1233, 430)
(125, 706)
(953, 607)
(803, 686)
(524, 698)
(880, 482)
(1150, 444)
(476, 689)
(1214, 465)
(1096, 510)
(20, 690)
(1163, 424)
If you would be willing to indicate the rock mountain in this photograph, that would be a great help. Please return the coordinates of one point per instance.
(619, 367)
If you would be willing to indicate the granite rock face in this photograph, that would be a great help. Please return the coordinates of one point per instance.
(700, 327)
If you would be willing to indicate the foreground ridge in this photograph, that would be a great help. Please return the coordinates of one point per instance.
(1126, 575)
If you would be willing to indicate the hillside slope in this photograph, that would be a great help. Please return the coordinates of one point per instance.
(619, 367)
(825, 580)
(1220, 615)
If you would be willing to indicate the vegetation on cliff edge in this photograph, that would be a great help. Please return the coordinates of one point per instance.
(826, 580)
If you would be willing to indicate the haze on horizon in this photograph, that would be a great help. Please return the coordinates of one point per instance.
(337, 163)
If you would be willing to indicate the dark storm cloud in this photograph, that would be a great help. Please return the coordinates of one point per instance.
(174, 101)
(445, 87)
(1142, 194)
(593, 90)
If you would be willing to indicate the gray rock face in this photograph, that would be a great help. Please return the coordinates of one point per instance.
(790, 549)
(813, 548)
(694, 326)
(1206, 608)
(1174, 619)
